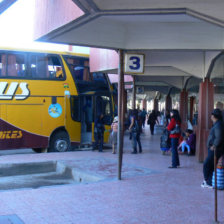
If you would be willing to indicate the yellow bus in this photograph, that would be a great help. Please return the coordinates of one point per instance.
(49, 100)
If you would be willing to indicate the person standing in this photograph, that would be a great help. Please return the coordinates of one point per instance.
(99, 133)
(135, 129)
(175, 132)
(143, 117)
(152, 121)
(114, 128)
(215, 144)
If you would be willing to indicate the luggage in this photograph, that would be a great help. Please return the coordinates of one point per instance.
(165, 141)
(220, 175)
(220, 178)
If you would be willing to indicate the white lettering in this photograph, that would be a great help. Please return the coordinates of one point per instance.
(12, 90)
(25, 91)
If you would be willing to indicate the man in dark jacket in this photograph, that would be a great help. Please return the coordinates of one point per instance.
(215, 143)
(99, 133)
(152, 121)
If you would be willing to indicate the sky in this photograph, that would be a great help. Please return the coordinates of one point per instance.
(19, 32)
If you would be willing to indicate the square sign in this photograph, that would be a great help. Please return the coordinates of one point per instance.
(134, 63)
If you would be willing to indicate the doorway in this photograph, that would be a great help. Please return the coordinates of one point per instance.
(86, 119)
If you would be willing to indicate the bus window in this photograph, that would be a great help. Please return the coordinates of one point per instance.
(75, 108)
(12, 65)
(45, 67)
(3, 65)
(79, 69)
(55, 68)
(99, 77)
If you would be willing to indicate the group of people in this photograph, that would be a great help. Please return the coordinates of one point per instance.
(215, 142)
(215, 146)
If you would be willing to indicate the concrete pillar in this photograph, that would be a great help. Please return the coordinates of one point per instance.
(156, 104)
(192, 102)
(183, 108)
(168, 103)
(134, 94)
(219, 105)
(205, 107)
(133, 98)
(125, 101)
(144, 104)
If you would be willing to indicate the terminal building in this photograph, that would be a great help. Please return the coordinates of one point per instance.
(182, 45)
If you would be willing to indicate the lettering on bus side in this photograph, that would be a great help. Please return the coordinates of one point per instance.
(10, 134)
(11, 92)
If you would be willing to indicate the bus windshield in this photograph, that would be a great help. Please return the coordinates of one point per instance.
(85, 81)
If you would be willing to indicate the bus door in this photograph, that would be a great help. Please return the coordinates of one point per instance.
(103, 105)
(86, 106)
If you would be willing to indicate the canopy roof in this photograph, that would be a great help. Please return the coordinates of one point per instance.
(144, 24)
(179, 38)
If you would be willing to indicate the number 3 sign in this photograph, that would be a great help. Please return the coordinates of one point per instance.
(134, 63)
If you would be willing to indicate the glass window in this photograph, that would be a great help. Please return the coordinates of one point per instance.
(44, 66)
(79, 68)
(12, 65)
(99, 77)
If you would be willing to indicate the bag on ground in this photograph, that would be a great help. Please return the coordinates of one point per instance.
(220, 174)
(165, 141)
(220, 178)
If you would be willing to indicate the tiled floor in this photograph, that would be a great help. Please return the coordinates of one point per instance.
(149, 192)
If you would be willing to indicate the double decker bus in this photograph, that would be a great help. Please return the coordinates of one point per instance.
(49, 100)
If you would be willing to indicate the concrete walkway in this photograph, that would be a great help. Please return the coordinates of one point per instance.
(149, 192)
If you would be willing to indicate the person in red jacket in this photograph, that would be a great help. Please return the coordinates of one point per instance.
(175, 133)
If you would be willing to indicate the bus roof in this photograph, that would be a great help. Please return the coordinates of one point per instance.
(44, 51)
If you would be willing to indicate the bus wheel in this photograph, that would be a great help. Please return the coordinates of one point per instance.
(40, 150)
(60, 142)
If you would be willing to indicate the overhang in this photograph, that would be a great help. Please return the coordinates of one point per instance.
(5, 4)
(140, 24)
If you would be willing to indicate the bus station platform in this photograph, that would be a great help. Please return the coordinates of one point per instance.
(149, 192)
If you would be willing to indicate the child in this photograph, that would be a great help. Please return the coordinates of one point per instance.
(114, 128)
(184, 144)
(188, 142)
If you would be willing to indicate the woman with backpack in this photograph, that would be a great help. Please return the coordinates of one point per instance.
(135, 129)
(175, 132)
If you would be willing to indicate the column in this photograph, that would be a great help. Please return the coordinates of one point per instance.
(192, 102)
(156, 106)
(183, 108)
(168, 105)
(134, 95)
(125, 101)
(144, 104)
(205, 107)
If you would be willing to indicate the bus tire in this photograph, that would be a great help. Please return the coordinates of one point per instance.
(40, 150)
(60, 142)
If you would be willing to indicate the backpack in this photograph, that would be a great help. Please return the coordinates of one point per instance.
(136, 127)
(176, 130)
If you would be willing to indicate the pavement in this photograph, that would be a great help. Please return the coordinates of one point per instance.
(149, 192)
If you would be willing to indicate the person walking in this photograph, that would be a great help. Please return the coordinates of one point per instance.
(135, 129)
(99, 133)
(175, 132)
(143, 117)
(152, 121)
(215, 144)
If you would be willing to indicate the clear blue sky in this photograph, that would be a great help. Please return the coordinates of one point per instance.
(17, 28)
